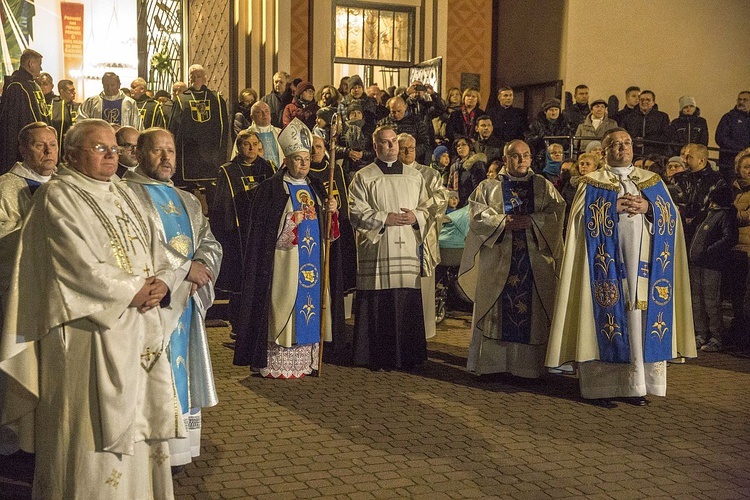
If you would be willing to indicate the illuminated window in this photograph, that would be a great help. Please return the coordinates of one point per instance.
(374, 35)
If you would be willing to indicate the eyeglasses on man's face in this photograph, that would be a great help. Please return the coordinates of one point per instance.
(102, 149)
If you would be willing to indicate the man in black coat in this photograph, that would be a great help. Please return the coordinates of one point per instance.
(650, 124)
(23, 103)
(508, 122)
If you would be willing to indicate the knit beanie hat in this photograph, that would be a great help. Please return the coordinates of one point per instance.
(439, 151)
(354, 106)
(326, 114)
(686, 100)
(355, 80)
(551, 103)
(302, 86)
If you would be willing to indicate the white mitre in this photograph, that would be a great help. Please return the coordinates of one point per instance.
(295, 137)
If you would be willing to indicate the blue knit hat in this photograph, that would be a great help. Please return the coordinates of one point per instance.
(439, 151)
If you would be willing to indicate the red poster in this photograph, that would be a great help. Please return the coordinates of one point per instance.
(72, 36)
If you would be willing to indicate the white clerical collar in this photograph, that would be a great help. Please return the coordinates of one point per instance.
(22, 170)
(622, 171)
(267, 128)
(291, 180)
(388, 164)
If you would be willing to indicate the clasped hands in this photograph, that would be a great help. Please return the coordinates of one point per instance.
(150, 295)
(517, 222)
(406, 218)
(632, 204)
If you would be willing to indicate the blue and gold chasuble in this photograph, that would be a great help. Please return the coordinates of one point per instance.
(307, 314)
(179, 236)
(609, 280)
(112, 111)
(516, 297)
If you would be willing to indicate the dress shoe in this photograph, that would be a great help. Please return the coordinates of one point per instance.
(636, 401)
(602, 403)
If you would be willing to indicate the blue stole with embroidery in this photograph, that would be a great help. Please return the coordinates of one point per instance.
(660, 312)
(307, 305)
(112, 111)
(179, 236)
(516, 297)
(270, 148)
(607, 273)
(33, 185)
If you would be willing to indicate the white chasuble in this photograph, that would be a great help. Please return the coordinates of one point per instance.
(485, 273)
(89, 370)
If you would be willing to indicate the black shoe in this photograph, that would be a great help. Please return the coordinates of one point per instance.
(602, 403)
(635, 401)
(228, 345)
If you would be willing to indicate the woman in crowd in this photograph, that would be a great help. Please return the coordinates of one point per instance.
(462, 121)
(741, 252)
(303, 106)
(467, 171)
(440, 122)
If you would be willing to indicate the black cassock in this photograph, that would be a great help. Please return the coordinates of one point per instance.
(268, 207)
(22, 103)
(347, 245)
(229, 213)
(200, 126)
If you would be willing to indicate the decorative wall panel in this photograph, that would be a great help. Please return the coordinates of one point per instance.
(299, 60)
(469, 42)
(208, 31)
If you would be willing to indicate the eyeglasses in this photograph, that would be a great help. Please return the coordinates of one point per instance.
(519, 156)
(619, 144)
(408, 150)
(102, 149)
(556, 153)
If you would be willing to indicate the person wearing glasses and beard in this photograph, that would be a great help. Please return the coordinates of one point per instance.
(510, 265)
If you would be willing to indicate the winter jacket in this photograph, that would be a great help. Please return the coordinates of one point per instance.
(459, 127)
(417, 128)
(508, 123)
(688, 129)
(715, 235)
(305, 111)
(732, 136)
(742, 204)
(576, 113)
(541, 128)
(652, 126)
(586, 129)
(691, 195)
(471, 171)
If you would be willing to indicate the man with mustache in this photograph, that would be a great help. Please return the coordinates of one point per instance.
(196, 258)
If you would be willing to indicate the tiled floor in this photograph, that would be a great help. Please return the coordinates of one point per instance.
(442, 433)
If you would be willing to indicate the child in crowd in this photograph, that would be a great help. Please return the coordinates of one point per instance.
(322, 126)
(441, 161)
(355, 143)
(452, 201)
(709, 252)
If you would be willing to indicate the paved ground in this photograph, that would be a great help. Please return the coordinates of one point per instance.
(441, 433)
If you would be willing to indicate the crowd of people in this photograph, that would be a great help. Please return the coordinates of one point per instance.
(594, 242)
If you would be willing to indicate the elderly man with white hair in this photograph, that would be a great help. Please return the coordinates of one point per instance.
(88, 386)
(201, 126)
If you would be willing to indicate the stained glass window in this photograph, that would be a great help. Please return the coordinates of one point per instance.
(374, 35)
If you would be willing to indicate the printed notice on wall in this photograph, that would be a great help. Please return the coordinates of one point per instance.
(72, 35)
